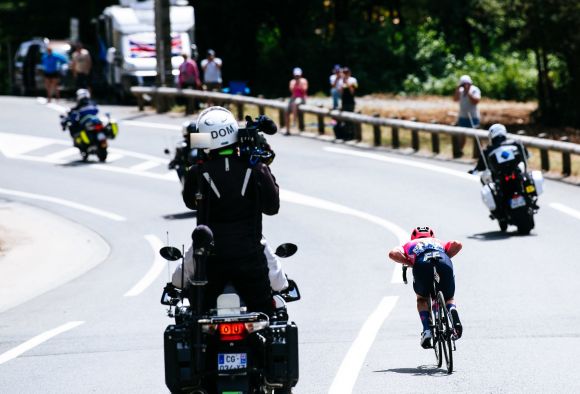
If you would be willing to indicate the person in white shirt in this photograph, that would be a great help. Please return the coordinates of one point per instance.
(212, 71)
(468, 96)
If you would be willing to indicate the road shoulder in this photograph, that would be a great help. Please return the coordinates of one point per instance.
(40, 251)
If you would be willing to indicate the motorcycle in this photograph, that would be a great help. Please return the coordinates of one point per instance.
(511, 194)
(183, 158)
(90, 136)
(227, 349)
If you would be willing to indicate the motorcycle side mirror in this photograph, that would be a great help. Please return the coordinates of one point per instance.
(170, 253)
(291, 293)
(166, 151)
(286, 250)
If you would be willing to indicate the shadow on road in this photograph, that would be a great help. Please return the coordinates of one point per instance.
(421, 370)
(179, 216)
(78, 163)
(497, 235)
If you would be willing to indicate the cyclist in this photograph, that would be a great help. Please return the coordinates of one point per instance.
(414, 254)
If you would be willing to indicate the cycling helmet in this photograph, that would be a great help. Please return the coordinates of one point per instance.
(220, 124)
(497, 133)
(83, 94)
(422, 232)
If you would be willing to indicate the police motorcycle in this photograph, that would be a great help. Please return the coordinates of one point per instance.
(88, 130)
(227, 349)
(510, 190)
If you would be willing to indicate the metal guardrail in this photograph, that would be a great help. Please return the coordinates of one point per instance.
(544, 145)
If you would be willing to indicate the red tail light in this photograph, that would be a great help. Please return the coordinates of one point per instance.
(98, 126)
(232, 331)
(508, 177)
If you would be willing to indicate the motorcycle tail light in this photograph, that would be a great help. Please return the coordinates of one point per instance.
(232, 331)
(256, 326)
(98, 127)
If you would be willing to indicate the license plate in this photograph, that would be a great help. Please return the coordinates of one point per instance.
(229, 361)
(517, 202)
(530, 189)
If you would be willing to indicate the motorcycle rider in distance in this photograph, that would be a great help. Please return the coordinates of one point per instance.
(84, 109)
(230, 195)
(413, 253)
(500, 151)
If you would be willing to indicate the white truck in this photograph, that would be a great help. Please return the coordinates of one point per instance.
(128, 34)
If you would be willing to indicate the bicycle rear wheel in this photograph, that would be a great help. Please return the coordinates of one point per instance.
(446, 333)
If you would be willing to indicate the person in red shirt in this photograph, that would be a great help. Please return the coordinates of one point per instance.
(413, 253)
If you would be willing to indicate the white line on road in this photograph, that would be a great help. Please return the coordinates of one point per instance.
(154, 271)
(66, 203)
(151, 125)
(348, 372)
(410, 163)
(565, 209)
(37, 340)
(144, 166)
(62, 154)
(314, 202)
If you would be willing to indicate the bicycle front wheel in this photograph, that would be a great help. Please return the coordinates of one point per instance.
(436, 327)
(446, 333)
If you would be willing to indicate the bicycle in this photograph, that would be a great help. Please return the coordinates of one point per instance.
(441, 322)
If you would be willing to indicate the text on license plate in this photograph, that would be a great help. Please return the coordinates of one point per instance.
(517, 202)
(227, 361)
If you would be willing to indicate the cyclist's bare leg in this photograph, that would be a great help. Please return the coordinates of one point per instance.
(422, 304)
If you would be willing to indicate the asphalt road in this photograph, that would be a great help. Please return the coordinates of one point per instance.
(345, 208)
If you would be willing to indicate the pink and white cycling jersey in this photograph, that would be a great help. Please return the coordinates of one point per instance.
(417, 247)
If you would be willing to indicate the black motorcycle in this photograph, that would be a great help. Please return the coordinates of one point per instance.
(90, 136)
(511, 196)
(228, 350)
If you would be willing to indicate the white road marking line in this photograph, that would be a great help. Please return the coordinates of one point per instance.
(62, 154)
(37, 340)
(565, 209)
(151, 125)
(144, 166)
(113, 156)
(314, 202)
(348, 372)
(410, 163)
(158, 265)
(66, 203)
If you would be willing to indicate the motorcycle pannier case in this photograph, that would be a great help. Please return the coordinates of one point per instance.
(487, 197)
(178, 356)
(282, 355)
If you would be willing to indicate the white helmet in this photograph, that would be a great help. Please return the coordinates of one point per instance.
(83, 94)
(221, 126)
(497, 130)
(465, 79)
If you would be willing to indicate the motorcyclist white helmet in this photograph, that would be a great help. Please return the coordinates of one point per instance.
(497, 131)
(83, 94)
(221, 126)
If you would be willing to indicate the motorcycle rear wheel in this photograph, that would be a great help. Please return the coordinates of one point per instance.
(524, 220)
(102, 154)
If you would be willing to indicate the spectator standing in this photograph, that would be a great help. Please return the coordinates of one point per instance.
(348, 86)
(81, 65)
(335, 82)
(51, 64)
(468, 96)
(212, 71)
(298, 92)
(189, 79)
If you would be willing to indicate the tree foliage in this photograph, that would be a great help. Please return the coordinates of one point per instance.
(517, 49)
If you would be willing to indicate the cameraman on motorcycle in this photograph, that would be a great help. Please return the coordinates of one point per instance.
(413, 254)
(500, 151)
(230, 194)
(84, 110)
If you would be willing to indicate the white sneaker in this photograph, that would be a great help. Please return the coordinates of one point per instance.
(426, 339)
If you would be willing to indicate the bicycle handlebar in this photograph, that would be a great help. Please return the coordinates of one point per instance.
(405, 274)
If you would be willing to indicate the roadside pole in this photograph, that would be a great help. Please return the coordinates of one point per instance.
(163, 51)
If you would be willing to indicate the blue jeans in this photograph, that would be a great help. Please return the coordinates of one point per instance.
(465, 122)
(335, 98)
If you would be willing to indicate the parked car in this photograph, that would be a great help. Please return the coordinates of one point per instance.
(28, 71)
